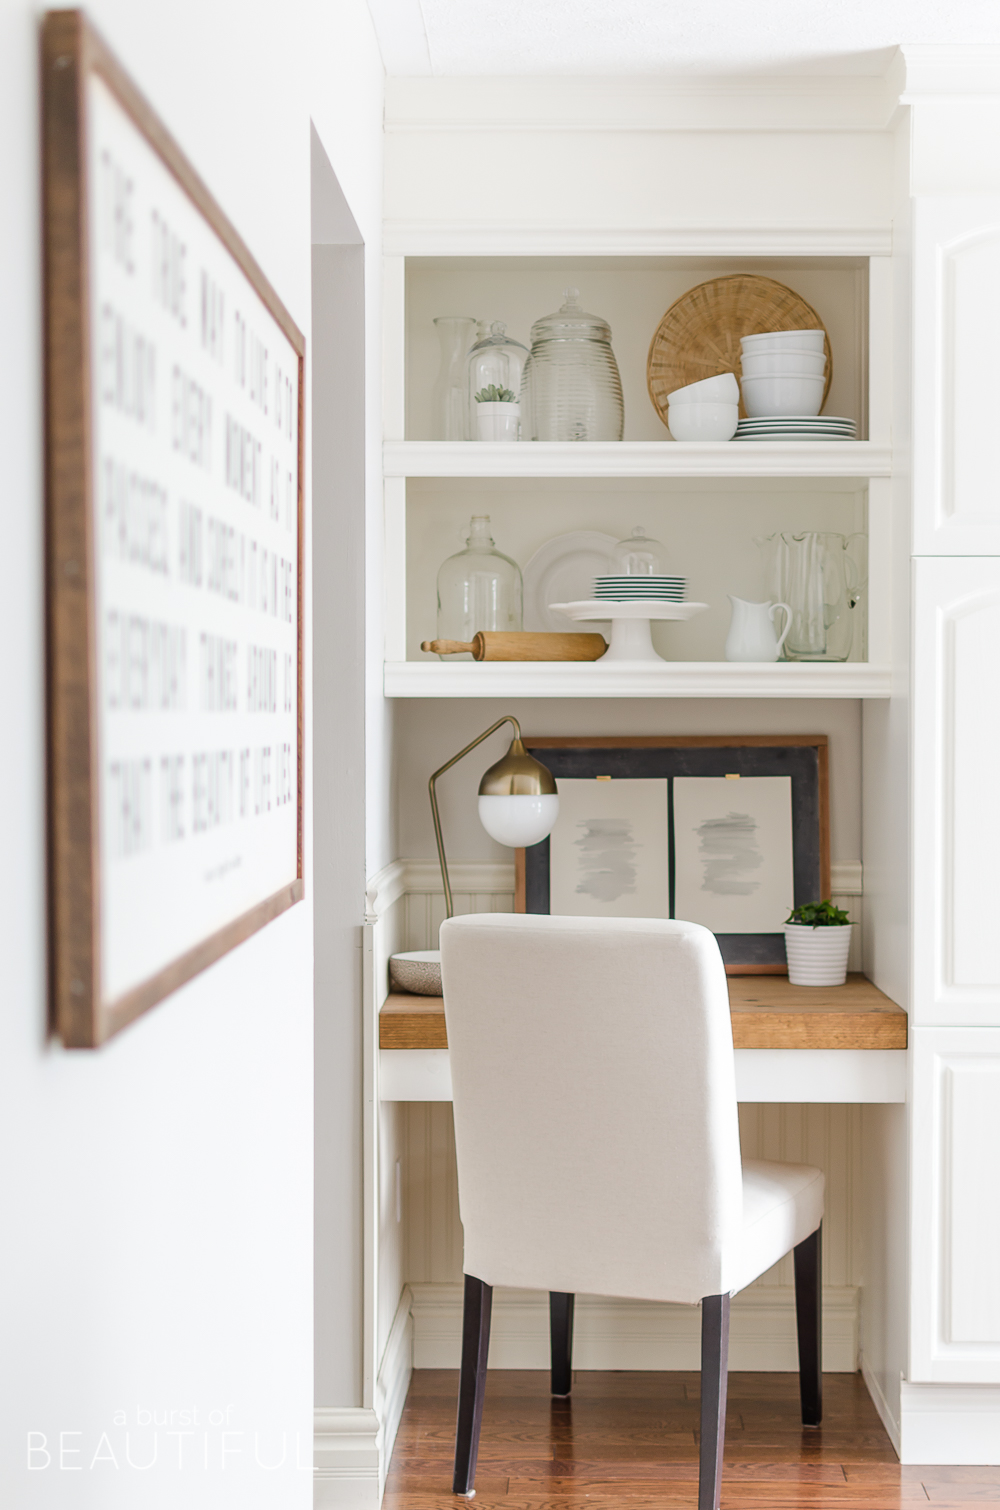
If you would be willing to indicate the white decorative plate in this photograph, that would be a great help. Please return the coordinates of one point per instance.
(561, 570)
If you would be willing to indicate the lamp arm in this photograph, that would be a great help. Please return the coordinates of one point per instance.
(507, 719)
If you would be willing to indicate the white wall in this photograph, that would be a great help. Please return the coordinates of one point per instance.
(157, 1196)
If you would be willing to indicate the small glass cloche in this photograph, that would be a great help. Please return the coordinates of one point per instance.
(638, 556)
(495, 367)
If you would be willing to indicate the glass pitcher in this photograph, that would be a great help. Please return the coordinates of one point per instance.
(822, 578)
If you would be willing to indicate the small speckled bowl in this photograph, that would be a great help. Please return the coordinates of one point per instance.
(418, 972)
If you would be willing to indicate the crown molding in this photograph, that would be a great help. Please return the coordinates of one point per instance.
(785, 102)
(945, 72)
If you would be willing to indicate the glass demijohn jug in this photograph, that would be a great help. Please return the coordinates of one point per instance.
(478, 589)
(450, 419)
(571, 388)
(495, 366)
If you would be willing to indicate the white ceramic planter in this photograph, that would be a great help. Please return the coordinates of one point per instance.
(817, 956)
(498, 421)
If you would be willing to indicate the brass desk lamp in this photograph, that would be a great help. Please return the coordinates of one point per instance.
(518, 799)
(518, 805)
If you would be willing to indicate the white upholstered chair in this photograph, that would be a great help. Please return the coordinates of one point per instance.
(598, 1145)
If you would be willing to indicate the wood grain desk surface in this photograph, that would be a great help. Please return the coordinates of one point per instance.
(767, 1012)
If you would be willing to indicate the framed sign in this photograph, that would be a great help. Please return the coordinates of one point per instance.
(174, 450)
(729, 832)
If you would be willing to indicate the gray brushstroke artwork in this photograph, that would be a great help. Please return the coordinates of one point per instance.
(733, 852)
(608, 850)
(730, 854)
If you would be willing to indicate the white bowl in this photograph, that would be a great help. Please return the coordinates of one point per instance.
(785, 364)
(780, 340)
(703, 421)
(723, 389)
(782, 395)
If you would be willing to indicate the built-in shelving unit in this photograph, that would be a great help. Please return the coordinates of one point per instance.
(708, 502)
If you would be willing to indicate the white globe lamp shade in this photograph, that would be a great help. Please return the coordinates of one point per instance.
(519, 820)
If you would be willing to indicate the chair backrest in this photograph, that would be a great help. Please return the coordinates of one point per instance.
(595, 1103)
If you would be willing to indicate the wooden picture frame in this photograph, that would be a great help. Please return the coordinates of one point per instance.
(803, 757)
(122, 940)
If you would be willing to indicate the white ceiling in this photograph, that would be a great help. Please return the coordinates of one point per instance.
(461, 37)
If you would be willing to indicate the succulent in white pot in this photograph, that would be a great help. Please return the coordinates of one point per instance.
(817, 943)
(498, 414)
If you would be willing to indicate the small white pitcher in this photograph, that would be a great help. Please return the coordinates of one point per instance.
(752, 635)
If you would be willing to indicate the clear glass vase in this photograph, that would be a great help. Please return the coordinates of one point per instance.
(571, 388)
(479, 588)
(456, 334)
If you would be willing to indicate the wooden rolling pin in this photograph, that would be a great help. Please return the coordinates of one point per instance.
(494, 645)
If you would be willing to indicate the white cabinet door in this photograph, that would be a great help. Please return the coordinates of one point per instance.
(955, 1206)
(956, 377)
(956, 791)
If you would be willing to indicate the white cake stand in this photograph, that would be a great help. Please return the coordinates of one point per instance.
(631, 639)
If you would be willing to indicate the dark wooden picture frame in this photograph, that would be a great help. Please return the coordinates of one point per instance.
(803, 757)
(72, 51)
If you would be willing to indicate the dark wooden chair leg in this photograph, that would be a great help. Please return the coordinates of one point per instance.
(809, 1320)
(714, 1384)
(472, 1382)
(561, 1334)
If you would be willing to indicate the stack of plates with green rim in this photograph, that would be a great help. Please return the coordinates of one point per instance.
(626, 589)
(796, 427)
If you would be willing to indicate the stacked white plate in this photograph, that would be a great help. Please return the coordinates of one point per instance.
(796, 427)
(626, 589)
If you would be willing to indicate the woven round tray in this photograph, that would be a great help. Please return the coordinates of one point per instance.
(699, 336)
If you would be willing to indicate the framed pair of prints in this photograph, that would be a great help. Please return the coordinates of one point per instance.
(174, 446)
(729, 832)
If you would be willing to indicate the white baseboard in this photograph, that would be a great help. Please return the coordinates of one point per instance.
(949, 1423)
(883, 1407)
(633, 1334)
(347, 1447)
(394, 1380)
(352, 1447)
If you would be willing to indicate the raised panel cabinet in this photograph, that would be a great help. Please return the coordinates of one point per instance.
(955, 1296)
(956, 796)
(956, 380)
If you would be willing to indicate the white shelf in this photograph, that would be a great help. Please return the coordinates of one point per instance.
(434, 458)
(634, 679)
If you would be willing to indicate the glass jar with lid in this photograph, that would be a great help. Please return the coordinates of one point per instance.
(479, 588)
(495, 367)
(571, 388)
(638, 556)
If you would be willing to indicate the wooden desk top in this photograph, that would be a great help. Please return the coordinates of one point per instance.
(767, 1012)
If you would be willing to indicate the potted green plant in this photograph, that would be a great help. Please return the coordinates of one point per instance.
(498, 413)
(817, 943)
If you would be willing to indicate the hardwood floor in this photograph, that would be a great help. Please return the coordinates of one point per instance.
(630, 1440)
